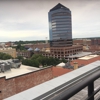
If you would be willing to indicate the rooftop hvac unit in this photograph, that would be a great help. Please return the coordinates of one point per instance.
(7, 65)
(4, 67)
(15, 63)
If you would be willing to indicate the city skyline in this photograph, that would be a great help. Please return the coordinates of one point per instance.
(28, 20)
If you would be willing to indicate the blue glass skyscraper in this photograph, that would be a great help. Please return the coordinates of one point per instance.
(60, 26)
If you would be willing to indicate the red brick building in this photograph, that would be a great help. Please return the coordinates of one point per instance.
(26, 54)
(63, 52)
(14, 85)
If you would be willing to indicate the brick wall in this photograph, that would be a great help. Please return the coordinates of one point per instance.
(9, 87)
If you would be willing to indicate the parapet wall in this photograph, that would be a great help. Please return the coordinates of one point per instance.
(9, 87)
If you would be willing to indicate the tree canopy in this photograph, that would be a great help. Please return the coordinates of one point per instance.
(20, 58)
(5, 56)
(38, 59)
(19, 47)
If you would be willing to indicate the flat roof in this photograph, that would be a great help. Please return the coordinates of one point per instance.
(52, 86)
(18, 71)
(88, 57)
(80, 54)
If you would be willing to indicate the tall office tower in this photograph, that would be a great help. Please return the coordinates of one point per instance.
(60, 26)
(60, 32)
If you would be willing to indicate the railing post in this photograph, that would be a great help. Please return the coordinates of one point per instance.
(91, 90)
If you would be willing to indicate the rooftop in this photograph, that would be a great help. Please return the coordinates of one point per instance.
(61, 64)
(58, 71)
(59, 6)
(86, 60)
(18, 71)
(88, 57)
(80, 54)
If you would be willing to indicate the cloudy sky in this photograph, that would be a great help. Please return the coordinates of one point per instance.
(28, 19)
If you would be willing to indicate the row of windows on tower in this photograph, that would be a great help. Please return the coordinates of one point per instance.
(59, 17)
(61, 20)
(62, 34)
(61, 23)
(61, 14)
(63, 37)
(66, 22)
(60, 30)
(60, 26)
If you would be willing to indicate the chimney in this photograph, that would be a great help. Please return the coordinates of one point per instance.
(75, 65)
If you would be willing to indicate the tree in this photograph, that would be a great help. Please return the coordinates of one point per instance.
(35, 56)
(26, 62)
(19, 47)
(36, 63)
(1, 55)
(20, 58)
(5, 56)
(63, 60)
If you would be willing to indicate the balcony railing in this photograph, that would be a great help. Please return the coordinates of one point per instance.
(75, 88)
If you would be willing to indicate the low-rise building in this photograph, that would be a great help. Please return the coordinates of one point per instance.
(85, 60)
(63, 52)
(91, 45)
(10, 51)
(38, 45)
(26, 54)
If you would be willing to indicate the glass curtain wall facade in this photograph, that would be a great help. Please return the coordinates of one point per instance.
(60, 27)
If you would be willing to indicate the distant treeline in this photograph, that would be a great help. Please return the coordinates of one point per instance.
(87, 38)
(27, 42)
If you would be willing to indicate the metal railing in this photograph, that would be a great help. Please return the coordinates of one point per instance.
(74, 89)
